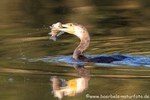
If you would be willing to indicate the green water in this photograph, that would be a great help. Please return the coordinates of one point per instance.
(116, 27)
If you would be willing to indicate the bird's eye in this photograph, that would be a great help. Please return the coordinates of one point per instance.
(70, 24)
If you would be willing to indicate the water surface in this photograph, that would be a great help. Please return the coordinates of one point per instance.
(29, 60)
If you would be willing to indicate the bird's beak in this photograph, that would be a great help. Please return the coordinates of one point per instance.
(64, 25)
(64, 28)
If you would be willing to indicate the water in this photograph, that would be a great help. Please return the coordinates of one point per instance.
(127, 60)
(33, 67)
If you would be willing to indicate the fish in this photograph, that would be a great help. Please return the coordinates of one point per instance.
(55, 32)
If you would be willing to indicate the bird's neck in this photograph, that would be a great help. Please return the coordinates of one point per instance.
(84, 43)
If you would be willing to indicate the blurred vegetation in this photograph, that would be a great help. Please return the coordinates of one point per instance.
(92, 13)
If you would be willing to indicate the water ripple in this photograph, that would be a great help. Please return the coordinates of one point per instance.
(130, 60)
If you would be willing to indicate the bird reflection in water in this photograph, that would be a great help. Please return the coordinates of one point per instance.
(62, 87)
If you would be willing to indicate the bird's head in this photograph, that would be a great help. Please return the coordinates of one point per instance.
(71, 28)
(74, 29)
